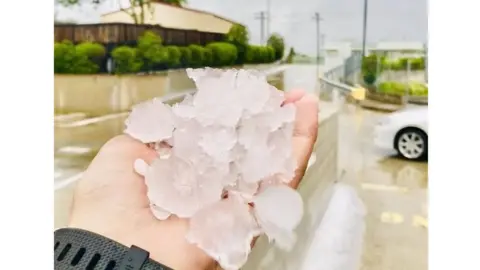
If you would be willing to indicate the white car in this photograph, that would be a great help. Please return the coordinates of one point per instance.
(405, 131)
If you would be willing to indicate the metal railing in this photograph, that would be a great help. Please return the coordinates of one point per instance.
(332, 84)
(350, 67)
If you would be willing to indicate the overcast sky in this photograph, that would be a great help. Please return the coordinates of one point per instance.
(388, 20)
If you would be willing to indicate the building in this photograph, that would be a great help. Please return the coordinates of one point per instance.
(336, 52)
(395, 50)
(171, 16)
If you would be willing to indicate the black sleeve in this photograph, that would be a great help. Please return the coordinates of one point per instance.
(80, 249)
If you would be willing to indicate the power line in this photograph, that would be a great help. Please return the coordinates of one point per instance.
(364, 38)
(317, 19)
(262, 17)
(269, 16)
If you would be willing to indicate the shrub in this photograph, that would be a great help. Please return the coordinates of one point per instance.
(278, 44)
(198, 55)
(174, 56)
(271, 56)
(371, 68)
(64, 57)
(93, 50)
(392, 88)
(238, 36)
(418, 89)
(208, 57)
(417, 63)
(185, 56)
(88, 57)
(257, 54)
(402, 64)
(290, 55)
(80, 59)
(224, 54)
(150, 50)
(126, 60)
(398, 88)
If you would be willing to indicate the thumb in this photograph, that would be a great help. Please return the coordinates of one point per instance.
(304, 134)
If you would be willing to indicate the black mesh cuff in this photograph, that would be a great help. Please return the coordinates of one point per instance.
(80, 249)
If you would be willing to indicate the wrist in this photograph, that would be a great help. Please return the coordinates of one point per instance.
(163, 248)
(81, 249)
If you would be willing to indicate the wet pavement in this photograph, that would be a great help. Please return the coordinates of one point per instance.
(394, 190)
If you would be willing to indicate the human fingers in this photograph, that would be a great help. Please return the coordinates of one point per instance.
(304, 134)
(294, 95)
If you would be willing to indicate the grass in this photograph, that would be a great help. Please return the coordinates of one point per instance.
(398, 88)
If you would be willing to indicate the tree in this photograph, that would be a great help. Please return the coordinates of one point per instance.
(126, 60)
(150, 49)
(276, 41)
(238, 36)
(291, 54)
(137, 14)
(174, 2)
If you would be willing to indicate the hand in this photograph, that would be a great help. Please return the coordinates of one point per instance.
(111, 199)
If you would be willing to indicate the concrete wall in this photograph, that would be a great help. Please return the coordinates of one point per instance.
(403, 76)
(97, 95)
(174, 17)
(104, 94)
(315, 189)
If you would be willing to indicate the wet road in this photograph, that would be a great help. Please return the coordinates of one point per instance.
(394, 190)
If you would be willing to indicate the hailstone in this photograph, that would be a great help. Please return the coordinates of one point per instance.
(224, 159)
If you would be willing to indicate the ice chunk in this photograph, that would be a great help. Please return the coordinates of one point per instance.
(279, 209)
(224, 230)
(159, 213)
(174, 186)
(220, 149)
(140, 166)
(218, 143)
(150, 121)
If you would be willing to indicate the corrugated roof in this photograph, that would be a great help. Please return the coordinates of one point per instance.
(402, 45)
(188, 9)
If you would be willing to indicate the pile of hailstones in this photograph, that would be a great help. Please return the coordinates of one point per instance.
(224, 159)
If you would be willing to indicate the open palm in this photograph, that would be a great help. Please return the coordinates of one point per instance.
(111, 199)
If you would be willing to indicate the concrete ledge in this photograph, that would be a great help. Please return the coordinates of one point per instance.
(418, 100)
(316, 191)
(385, 98)
(380, 106)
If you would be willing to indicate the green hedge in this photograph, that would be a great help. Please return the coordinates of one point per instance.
(260, 54)
(402, 64)
(150, 54)
(371, 69)
(83, 58)
(223, 53)
(127, 60)
(397, 88)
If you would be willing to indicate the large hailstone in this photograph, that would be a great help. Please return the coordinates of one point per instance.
(150, 121)
(279, 209)
(224, 159)
(174, 186)
(225, 230)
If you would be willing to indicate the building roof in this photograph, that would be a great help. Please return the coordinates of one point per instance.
(402, 45)
(186, 8)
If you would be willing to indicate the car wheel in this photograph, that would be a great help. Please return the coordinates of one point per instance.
(412, 144)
